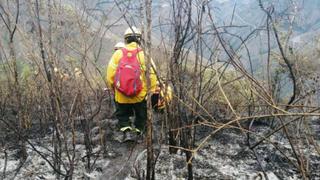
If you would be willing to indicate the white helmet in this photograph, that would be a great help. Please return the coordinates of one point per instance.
(119, 45)
(132, 31)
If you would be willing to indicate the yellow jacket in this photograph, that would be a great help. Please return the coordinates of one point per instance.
(111, 71)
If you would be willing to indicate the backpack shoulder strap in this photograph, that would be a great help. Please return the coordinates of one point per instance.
(135, 51)
(124, 51)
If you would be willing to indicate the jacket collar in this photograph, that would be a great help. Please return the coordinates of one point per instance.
(132, 45)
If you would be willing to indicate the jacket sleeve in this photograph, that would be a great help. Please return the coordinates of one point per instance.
(111, 69)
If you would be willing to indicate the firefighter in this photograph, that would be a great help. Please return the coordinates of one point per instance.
(135, 101)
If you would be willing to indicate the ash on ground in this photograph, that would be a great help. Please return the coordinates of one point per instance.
(226, 155)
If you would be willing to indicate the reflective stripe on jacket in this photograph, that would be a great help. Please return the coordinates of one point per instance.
(111, 71)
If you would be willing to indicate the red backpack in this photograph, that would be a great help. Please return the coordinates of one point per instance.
(127, 78)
